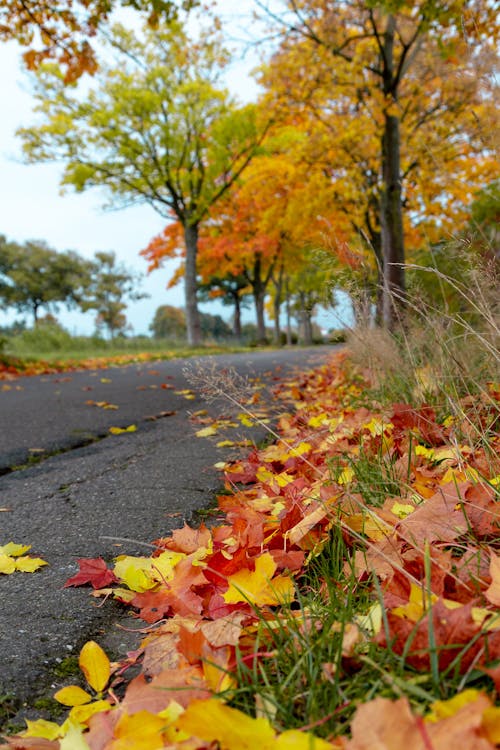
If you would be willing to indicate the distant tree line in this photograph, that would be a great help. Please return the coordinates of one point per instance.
(34, 278)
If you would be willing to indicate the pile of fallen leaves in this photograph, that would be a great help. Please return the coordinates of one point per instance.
(12, 368)
(428, 554)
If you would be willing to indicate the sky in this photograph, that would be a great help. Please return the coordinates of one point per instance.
(32, 206)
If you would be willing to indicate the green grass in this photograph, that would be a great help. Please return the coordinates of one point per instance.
(28, 348)
(302, 672)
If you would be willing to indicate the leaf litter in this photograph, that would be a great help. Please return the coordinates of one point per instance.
(423, 551)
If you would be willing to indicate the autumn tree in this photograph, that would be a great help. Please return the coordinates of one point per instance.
(33, 276)
(376, 59)
(64, 31)
(267, 228)
(168, 322)
(157, 128)
(108, 285)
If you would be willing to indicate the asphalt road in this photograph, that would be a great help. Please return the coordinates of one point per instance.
(72, 489)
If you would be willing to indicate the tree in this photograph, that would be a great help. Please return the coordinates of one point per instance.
(375, 55)
(485, 222)
(168, 322)
(34, 276)
(266, 226)
(156, 129)
(108, 285)
(63, 31)
(231, 289)
(214, 326)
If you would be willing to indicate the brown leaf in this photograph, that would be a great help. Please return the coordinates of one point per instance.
(439, 519)
(225, 631)
(382, 724)
(492, 593)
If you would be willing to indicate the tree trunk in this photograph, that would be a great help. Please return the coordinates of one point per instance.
(392, 225)
(376, 240)
(288, 306)
(259, 297)
(278, 293)
(391, 207)
(237, 316)
(191, 285)
(308, 331)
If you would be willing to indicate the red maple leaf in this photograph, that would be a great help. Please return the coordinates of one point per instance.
(93, 570)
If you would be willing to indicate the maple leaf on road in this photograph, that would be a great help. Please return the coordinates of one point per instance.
(93, 570)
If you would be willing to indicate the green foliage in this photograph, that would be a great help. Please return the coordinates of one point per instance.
(485, 222)
(169, 322)
(108, 285)
(215, 327)
(156, 128)
(45, 337)
(34, 276)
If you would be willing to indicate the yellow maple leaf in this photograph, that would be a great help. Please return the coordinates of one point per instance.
(370, 524)
(401, 510)
(29, 564)
(213, 721)
(417, 604)
(170, 714)
(14, 550)
(377, 426)
(162, 567)
(257, 587)
(444, 709)
(318, 420)
(270, 477)
(135, 572)
(81, 714)
(95, 665)
(246, 421)
(49, 730)
(7, 564)
(346, 476)
(294, 739)
(206, 432)
(141, 731)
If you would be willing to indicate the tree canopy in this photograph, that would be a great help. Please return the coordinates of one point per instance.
(157, 128)
(108, 286)
(64, 31)
(397, 86)
(34, 276)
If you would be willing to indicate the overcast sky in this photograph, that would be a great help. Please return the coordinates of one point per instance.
(32, 206)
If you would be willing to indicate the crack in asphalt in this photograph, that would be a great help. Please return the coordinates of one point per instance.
(31, 459)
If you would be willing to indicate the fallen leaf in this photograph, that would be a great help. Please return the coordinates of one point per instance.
(29, 564)
(258, 586)
(93, 570)
(492, 593)
(95, 665)
(121, 430)
(73, 695)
